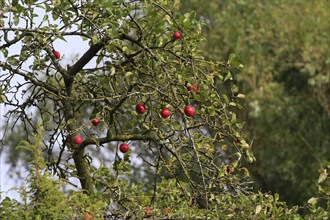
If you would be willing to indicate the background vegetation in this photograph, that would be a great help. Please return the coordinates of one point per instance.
(284, 46)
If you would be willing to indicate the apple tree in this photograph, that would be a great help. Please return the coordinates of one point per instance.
(140, 91)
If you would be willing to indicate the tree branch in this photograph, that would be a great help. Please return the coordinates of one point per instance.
(126, 37)
(13, 41)
(40, 31)
(89, 54)
(123, 137)
(31, 79)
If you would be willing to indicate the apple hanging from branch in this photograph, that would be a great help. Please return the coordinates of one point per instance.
(123, 148)
(88, 217)
(165, 113)
(192, 88)
(77, 139)
(148, 212)
(57, 54)
(140, 108)
(96, 122)
(189, 110)
(177, 35)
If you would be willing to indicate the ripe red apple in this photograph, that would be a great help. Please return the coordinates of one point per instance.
(140, 108)
(177, 35)
(77, 139)
(88, 217)
(96, 122)
(165, 113)
(56, 54)
(189, 110)
(192, 88)
(123, 148)
(148, 212)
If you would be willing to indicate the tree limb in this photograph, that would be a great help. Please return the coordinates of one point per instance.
(89, 54)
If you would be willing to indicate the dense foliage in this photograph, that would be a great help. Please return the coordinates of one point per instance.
(142, 58)
(284, 46)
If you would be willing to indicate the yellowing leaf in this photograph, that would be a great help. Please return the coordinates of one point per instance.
(245, 171)
(128, 74)
(258, 209)
(112, 71)
(241, 96)
(312, 201)
(323, 176)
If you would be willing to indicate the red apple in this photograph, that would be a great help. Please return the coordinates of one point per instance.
(192, 88)
(96, 122)
(189, 110)
(177, 35)
(140, 108)
(56, 54)
(165, 113)
(123, 148)
(88, 217)
(77, 139)
(148, 212)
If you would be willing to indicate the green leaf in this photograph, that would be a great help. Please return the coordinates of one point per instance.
(13, 60)
(312, 201)
(231, 58)
(2, 98)
(233, 62)
(226, 98)
(62, 38)
(4, 52)
(228, 76)
(6, 203)
(233, 118)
